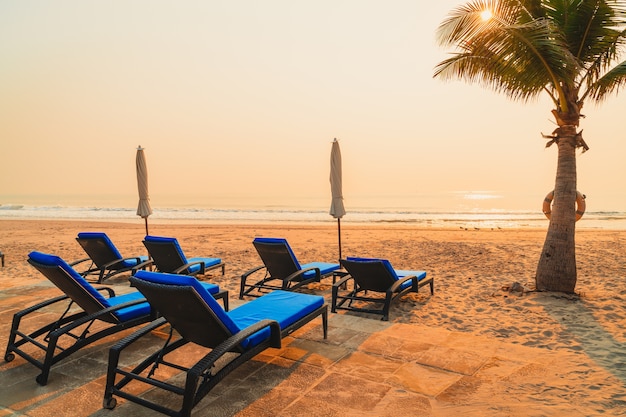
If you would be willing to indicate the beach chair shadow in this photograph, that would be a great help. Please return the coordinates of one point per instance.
(84, 310)
(377, 276)
(167, 255)
(195, 317)
(106, 259)
(281, 269)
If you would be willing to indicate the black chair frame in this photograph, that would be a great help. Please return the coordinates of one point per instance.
(278, 265)
(202, 377)
(70, 325)
(373, 278)
(104, 264)
(166, 258)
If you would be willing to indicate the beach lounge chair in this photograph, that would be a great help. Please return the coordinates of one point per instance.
(168, 256)
(230, 339)
(86, 314)
(105, 258)
(376, 276)
(281, 266)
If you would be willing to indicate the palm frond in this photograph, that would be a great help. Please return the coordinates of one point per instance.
(609, 83)
(518, 59)
(530, 46)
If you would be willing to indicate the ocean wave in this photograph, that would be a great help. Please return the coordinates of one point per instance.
(362, 215)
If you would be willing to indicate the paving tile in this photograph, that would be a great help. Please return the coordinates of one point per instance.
(366, 367)
(81, 401)
(417, 333)
(321, 353)
(286, 392)
(370, 367)
(335, 395)
(453, 360)
(461, 390)
(399, 402)
(384, 344)
(422, 379)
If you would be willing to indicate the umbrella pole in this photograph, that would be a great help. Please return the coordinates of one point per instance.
(339, 236)
(146, 219)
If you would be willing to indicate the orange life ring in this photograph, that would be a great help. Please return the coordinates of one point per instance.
(580, 204)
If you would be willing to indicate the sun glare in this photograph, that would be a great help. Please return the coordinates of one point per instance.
(486, 15)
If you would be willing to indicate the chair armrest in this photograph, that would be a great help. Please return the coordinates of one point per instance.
(296, 274)
(251, 271)
(41, 305)
(110, 291)
(343, 281)
(401, 281)
(142, 265)
(133, 337)
(120, 261)
(80, 261)
(189, 264)
(87, 318)
(235, 340)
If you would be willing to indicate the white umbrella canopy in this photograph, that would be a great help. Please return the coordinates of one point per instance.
(143, 209)
(337, 210)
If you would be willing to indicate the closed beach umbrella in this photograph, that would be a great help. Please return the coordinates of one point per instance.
(337, 209)
(143, 209)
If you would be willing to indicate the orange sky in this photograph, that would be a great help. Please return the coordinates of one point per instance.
(241, 99)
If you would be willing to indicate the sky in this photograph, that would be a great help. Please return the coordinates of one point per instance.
(239, 101)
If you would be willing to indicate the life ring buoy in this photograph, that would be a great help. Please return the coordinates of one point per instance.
(580, 204)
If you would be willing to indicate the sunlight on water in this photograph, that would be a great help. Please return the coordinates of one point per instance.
(480, 195)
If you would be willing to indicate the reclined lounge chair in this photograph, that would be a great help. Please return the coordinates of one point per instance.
(281, 265)
(168, 256)
(197, 318)
(105, 258)
(377, 276)
(75, 327)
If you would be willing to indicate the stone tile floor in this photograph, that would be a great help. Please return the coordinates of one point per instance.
(366, 367)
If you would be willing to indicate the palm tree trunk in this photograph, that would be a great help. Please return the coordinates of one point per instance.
(556, 270)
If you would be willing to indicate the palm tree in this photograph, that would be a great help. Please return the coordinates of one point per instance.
(567, 49)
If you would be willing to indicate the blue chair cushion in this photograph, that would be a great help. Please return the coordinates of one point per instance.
(129, 263)
(325, 268)
(399, 273)
(129, 313)
(405, 273)
(285, 307)
(207, 263)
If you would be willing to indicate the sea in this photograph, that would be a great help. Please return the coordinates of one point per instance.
(469, 211)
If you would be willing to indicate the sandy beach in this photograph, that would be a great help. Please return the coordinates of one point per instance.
(579, 340)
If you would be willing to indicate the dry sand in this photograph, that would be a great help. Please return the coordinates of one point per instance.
(474, 271)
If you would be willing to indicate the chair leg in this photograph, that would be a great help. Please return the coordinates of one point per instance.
(42, 378)
(9, 355)
(387, 306)
(334, 299)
